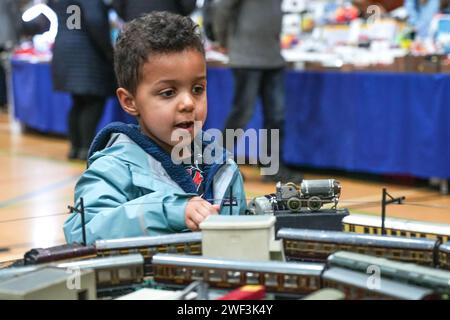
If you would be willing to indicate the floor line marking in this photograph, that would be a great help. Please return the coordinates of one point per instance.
(41, 191)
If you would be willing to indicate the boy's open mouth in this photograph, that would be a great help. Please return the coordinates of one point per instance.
(185, 125)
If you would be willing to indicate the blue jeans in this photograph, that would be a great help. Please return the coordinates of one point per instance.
(249, 84)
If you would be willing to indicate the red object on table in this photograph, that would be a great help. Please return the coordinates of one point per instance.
(25, 51)
(251, 292)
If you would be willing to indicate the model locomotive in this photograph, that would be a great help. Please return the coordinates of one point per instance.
(59, 253)
(311, 194)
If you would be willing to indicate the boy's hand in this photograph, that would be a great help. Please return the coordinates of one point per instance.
(197, 210)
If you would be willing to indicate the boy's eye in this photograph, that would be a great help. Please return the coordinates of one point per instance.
(167, 93)
(198, 89)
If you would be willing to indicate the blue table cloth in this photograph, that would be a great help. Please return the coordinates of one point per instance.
(370, 122)
(41, 108)
(382, 123)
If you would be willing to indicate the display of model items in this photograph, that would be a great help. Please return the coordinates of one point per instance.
(311, 194)
(408, 257)
(396, 227)
(313, 245)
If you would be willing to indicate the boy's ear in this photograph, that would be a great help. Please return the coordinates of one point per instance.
(127, 101)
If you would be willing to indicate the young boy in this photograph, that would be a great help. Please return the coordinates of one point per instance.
(132, 186)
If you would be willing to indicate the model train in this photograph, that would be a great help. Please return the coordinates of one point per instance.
(366, 224)
(311, 194)
(186, 243)
(59, 253)
(315, 245)
(298, 245)
(279, 278)
(118, 270)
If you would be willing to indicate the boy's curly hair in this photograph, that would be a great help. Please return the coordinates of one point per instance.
(154, 33)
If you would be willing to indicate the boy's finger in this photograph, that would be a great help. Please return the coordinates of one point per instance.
(206, 204)
(205, 211)
(212, 208)
(191, 225)
(198, 217)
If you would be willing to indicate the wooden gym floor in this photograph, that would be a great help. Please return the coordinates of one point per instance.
(36, 186)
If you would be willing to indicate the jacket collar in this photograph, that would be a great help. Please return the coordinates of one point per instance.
(176, 172)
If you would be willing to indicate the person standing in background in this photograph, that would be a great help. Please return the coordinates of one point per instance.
(129, 10)
(249, 31)
(10, 25)
(445, 6)
(420, 15)
(83, 66)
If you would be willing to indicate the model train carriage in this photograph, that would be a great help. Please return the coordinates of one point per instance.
(314, 245)
(365, 224)
(184, 243)
(311, 194)
(59, 253)
(444, 256)
(356, 285)
(433, 279)
(277, 277)
(112, 271)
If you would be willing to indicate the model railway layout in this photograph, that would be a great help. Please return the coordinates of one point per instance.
(412, 257)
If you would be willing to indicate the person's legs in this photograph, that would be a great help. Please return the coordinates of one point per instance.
(273, 97)
(89, 119)
(246, 89)
(74, 126)
(3, 88)
(272, 93)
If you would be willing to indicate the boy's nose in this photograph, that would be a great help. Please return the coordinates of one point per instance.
(187, 103)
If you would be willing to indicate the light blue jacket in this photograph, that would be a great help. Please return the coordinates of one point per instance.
(132, 188)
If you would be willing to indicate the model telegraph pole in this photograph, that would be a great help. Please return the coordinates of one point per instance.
(81, 212)
(384, 203)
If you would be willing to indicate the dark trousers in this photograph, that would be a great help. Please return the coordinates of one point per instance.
(249, 84)
(84, 116)
(3, 87)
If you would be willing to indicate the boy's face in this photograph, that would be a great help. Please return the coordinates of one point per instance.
(170, 96)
